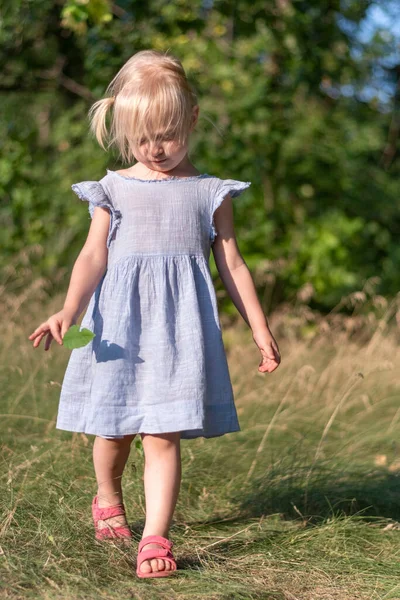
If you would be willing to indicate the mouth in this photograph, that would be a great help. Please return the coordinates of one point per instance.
(160, 161)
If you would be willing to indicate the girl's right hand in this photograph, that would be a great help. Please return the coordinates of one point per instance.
(55, 327)
(270, 355)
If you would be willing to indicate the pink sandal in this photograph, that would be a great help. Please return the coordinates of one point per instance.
(164, 553)
(109, 532)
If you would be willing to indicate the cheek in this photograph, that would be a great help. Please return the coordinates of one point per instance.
(141, 152)
(176, 149)
(137, 151)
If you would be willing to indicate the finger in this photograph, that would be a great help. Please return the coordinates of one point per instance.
(272, 368)
(55, 332)
(275, 354)
(42, 327)
(268, 368)
(267, 360)
(267, 357)
(48, 340)
(268, 365)
(38, 339)
(33, 334)
(64, 328)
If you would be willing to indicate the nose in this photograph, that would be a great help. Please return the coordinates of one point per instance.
(155, 148)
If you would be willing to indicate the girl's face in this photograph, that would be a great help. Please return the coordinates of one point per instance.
(164, 153)
(161, 154)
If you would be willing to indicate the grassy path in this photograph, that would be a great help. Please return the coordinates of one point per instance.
(303, 503)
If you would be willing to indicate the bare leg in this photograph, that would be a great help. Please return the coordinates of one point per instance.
(109, 459)
(162, 478)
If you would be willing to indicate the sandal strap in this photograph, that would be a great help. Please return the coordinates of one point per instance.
(156, 553)
(112, 532)
(100, 514)
(155, 539)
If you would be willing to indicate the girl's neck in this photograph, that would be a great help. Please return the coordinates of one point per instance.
(141, 171)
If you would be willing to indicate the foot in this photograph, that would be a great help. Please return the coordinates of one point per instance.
(155, 564)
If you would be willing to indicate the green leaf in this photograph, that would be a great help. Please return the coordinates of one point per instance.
(75, 338)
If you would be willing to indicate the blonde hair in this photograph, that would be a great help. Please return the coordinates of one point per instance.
(149, 96)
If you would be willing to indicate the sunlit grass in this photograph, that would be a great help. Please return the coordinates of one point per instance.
(302, 503)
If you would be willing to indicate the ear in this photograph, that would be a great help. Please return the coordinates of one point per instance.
(195, 116)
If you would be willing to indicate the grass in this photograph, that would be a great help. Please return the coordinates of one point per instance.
(302, 503)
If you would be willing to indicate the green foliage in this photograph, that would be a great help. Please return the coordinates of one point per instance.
(321, 253)
(76, 14)
(323, 207)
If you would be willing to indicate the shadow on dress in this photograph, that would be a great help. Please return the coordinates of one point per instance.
(106, 350)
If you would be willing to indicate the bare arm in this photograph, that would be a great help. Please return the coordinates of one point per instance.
(87, 272)
(90, 265)
(238, 281)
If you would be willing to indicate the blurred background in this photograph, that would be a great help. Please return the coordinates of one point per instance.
(302, 98)
(299, 97)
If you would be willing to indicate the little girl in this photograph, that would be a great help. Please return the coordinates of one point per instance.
(157, 364)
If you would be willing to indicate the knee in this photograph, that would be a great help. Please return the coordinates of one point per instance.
(167, 438)
(122, 440)
(160, 442)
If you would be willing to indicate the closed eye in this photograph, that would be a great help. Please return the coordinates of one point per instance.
(166, 138)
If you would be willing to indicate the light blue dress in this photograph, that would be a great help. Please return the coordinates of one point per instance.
(157, 363)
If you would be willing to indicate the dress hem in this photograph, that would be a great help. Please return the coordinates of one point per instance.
(186, 433)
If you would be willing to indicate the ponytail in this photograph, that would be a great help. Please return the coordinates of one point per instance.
(97, 116)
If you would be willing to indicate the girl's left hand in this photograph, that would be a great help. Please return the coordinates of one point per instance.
(270, 355)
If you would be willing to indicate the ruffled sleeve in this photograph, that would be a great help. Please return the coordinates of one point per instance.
(232, 187)
(94, 193)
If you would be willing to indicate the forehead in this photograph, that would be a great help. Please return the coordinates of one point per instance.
(160, 133)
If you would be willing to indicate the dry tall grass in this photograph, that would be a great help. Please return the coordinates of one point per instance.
(302, 503)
